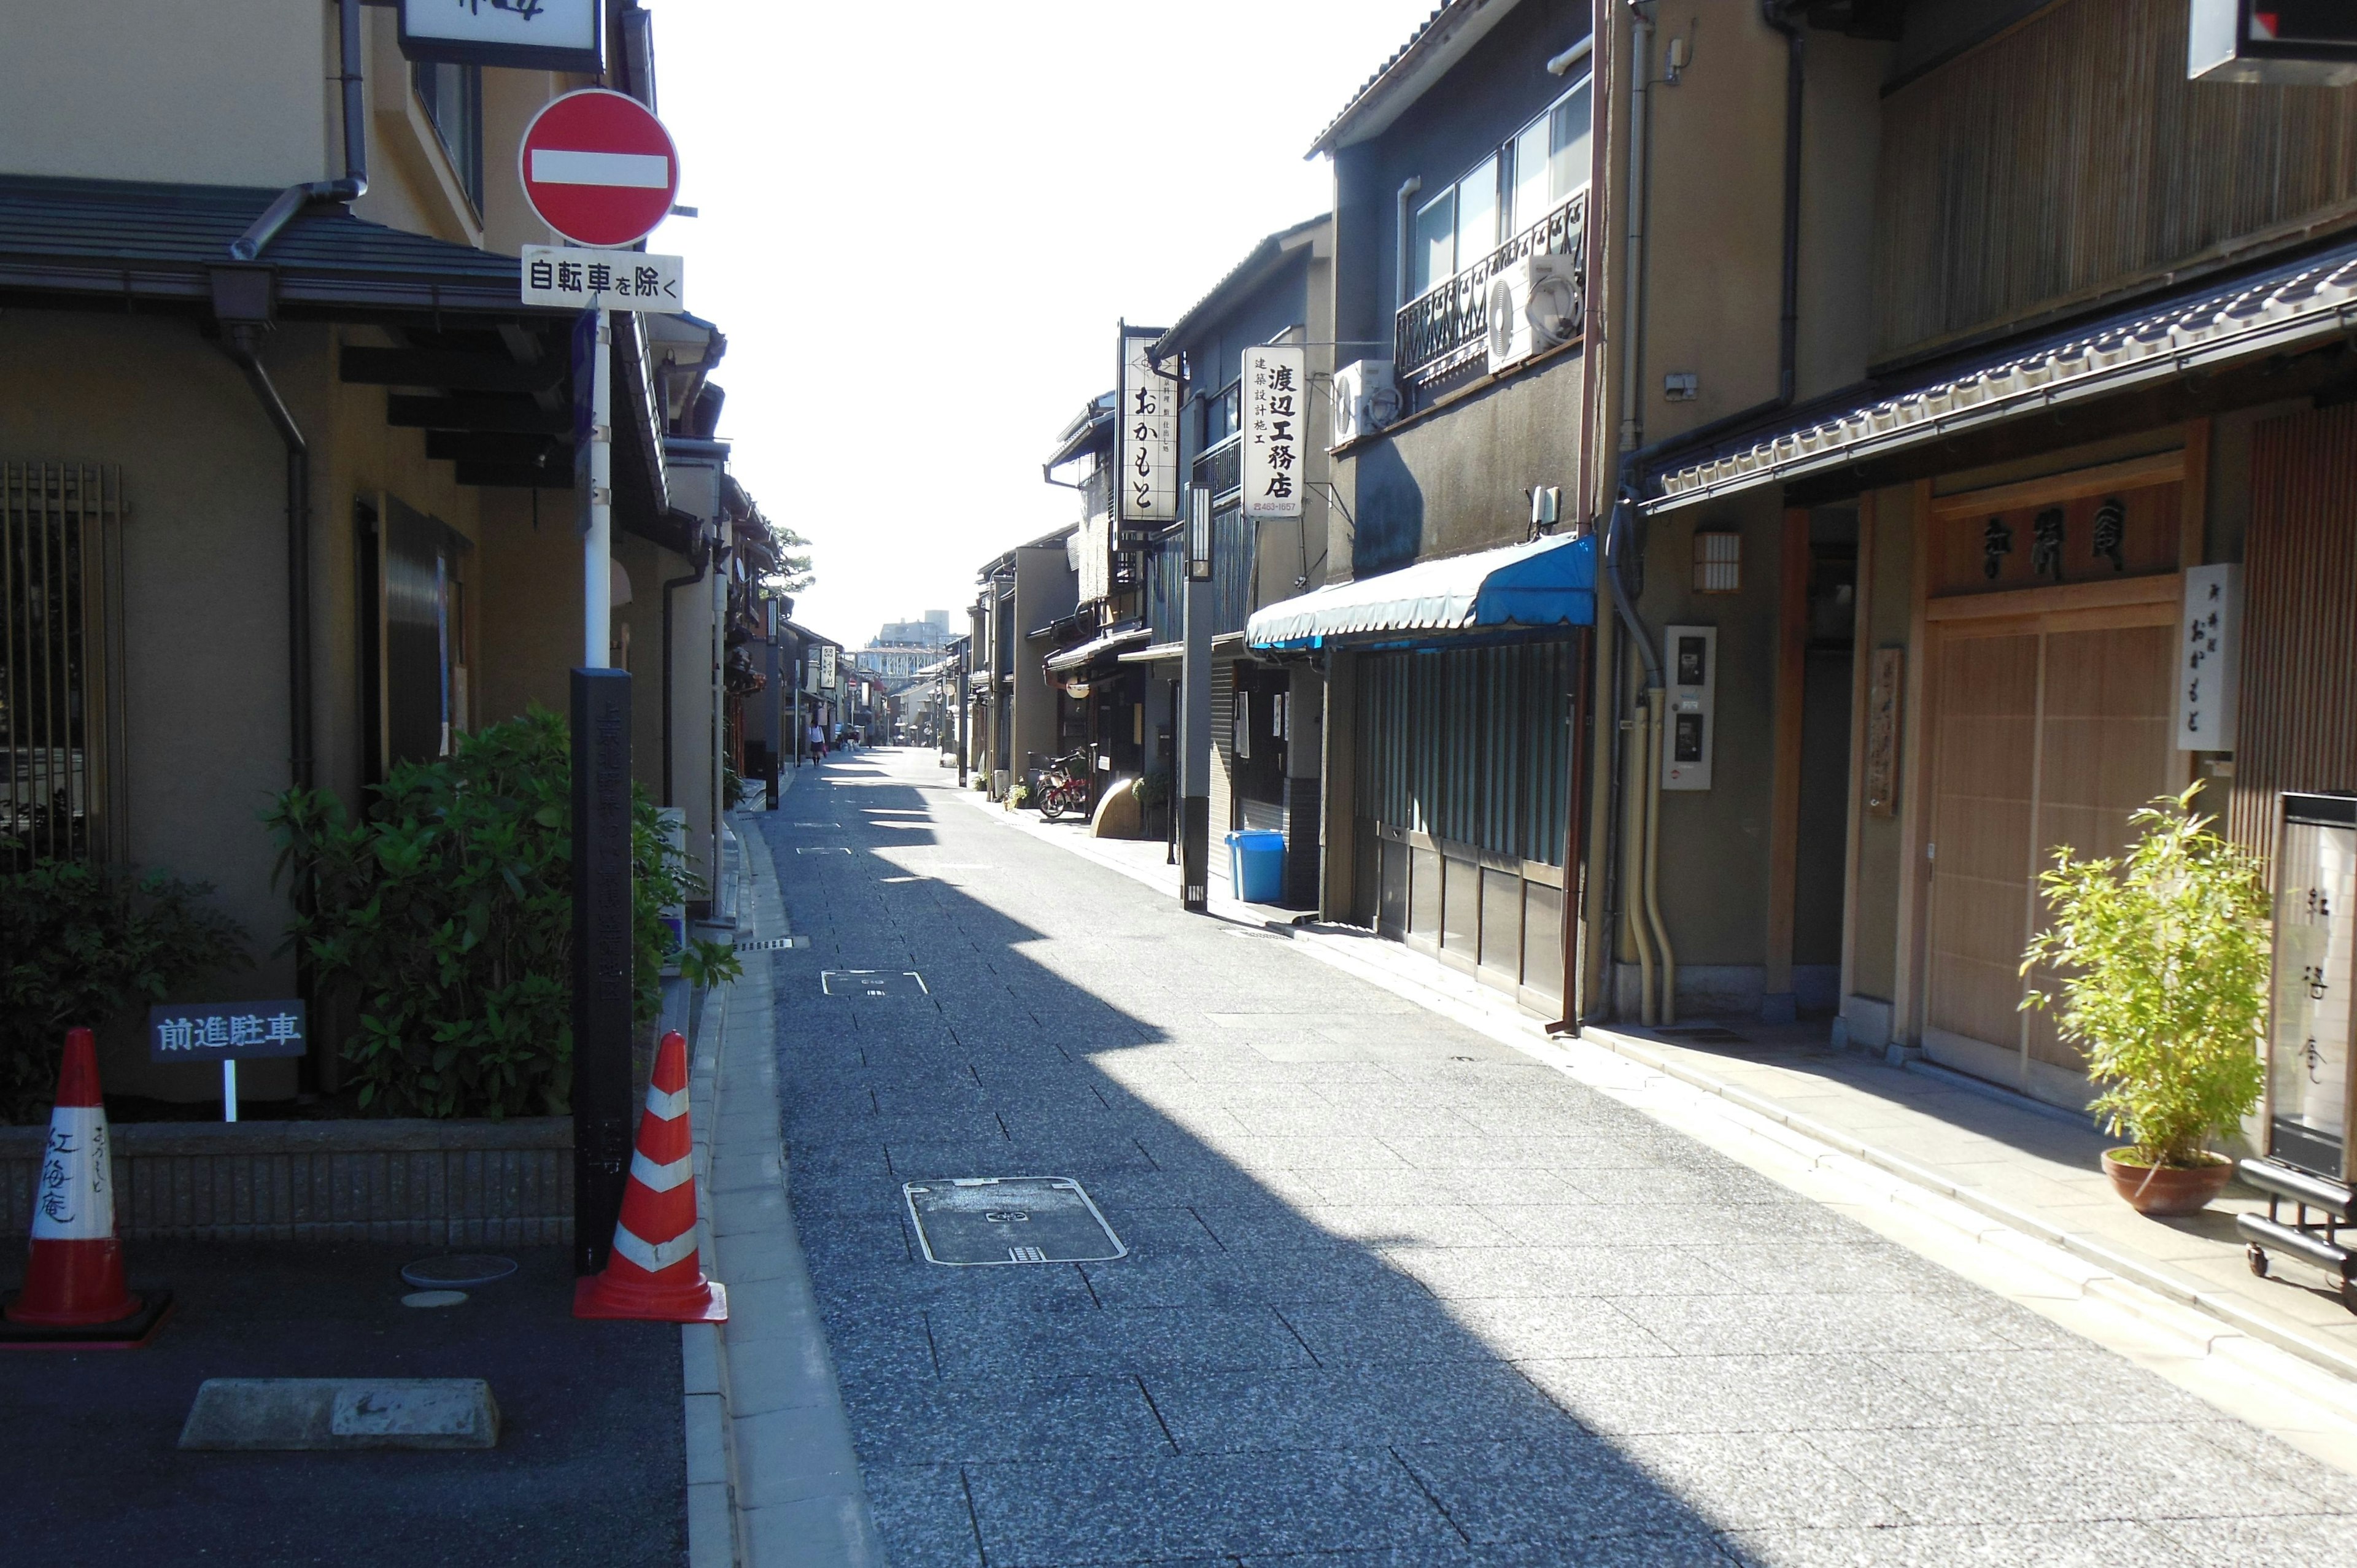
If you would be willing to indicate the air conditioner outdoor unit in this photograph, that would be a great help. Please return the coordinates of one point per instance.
(1364, 399)
(1534, 306)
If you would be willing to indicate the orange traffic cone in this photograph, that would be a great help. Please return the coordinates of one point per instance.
(74, 1295)
(654, 1272)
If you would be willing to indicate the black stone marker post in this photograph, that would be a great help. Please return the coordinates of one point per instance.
(601, 958)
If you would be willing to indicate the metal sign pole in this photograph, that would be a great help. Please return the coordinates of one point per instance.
(1195, 712)
(603, 938)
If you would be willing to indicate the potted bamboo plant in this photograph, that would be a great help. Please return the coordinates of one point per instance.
(2163, 960)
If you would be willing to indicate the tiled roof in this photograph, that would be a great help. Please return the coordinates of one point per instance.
(2285, 307)
(124, 238)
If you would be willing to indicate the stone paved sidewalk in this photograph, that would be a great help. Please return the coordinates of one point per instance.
(1394, 1289)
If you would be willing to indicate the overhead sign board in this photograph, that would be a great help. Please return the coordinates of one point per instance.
(529, 35)
(2284, 43)
(1146, 487)
(1275, 400)
(226, 1031)
(598, 168)
(603, 280)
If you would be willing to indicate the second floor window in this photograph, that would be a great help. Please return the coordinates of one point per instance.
(453, 96)
(1535, 171)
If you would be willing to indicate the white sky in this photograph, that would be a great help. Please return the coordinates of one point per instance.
(920, 222)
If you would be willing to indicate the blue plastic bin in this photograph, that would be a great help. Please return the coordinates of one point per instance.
(1256, 864)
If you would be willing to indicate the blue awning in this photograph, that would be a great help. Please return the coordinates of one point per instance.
(1545, 583)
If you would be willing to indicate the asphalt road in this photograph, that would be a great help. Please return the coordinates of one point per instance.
(590, 1470)
(1395, 1293)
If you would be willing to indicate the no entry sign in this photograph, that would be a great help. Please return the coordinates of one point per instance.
(598, 168)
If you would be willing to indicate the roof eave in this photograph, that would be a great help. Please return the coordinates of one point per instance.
(1446, 38)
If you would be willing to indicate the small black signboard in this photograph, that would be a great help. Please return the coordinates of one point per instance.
(226, 1031)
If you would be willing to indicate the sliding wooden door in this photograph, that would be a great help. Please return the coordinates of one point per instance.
(2047, 730)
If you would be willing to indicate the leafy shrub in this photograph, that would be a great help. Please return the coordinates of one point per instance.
(2165, 962)
(1154, 788)
(449, 912)
(81, 945)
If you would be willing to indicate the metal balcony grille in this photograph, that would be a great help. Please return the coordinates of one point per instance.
(63, 791)
(1444, 330)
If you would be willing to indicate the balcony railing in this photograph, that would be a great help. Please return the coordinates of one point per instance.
(1446, 329)
(1221, 467)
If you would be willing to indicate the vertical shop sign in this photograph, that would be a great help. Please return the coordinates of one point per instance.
(1147, 486)
(1275, 400)
(2209, 658)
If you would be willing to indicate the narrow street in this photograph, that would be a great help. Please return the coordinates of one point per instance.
(1394, 1293)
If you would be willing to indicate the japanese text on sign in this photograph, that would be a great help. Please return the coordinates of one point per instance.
(1275, 409)
(226, 1031)
(1147, 419)
(605, 280)
(2207, 661)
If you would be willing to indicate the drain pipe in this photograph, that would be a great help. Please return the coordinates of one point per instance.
(243, 339)
(1649, 717)
(354, 183)
(699, 551)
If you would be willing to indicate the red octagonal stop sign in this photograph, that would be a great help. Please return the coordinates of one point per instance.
(598, 168)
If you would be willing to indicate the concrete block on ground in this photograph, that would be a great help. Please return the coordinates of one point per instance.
(279, 1414)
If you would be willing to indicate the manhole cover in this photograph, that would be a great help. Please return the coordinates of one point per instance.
(873, 983)
(978, 1222)
(459, 1271)
(773, 944)
(823, 849)
(818, 825)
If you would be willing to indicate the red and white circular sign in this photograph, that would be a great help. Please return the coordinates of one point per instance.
(598, 168)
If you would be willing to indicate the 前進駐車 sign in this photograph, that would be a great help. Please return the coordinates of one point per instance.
(226, 1031)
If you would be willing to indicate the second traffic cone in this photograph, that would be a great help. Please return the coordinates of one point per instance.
(654, 1272)
(74, 1293)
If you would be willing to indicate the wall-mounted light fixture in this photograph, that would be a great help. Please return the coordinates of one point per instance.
(1198, 532)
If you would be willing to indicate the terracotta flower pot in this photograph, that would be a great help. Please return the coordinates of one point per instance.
(2165, 1191)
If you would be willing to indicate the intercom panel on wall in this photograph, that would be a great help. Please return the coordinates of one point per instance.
(1690, 709)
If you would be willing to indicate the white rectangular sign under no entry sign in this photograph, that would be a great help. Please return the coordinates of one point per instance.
(605, 280)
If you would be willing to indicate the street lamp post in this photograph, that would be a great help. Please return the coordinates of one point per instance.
(1195, 711)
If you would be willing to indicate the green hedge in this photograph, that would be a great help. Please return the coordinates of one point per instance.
(448, 911)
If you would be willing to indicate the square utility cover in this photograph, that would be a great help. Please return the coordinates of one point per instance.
(873, 983)
(970, 1221)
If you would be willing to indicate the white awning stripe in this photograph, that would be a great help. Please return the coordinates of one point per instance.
(652, 1256)
(662, 1179)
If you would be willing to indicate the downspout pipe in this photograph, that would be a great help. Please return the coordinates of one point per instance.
(243, 340)
(699, 552)
(1775, 14)
(354, 183)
